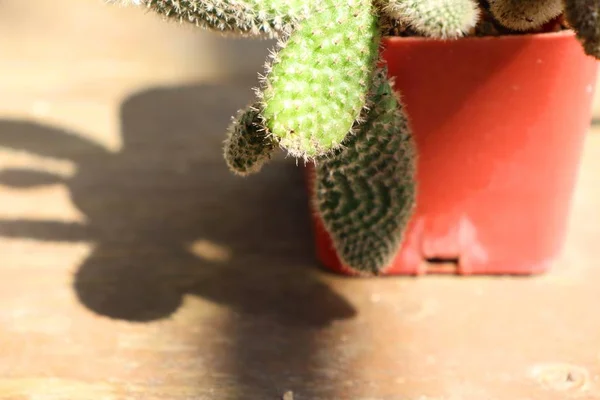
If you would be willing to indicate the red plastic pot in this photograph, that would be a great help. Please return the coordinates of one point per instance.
(499, 124)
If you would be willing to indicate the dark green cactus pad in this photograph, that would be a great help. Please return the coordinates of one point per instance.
(365, 192)
(584, 17)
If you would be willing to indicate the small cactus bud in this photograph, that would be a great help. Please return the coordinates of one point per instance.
(248, 146)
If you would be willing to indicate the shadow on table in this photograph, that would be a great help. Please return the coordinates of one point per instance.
(168, 219)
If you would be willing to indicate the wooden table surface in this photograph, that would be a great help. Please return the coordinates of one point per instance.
(145, 270)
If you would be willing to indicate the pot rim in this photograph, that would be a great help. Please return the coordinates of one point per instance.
(533, 36)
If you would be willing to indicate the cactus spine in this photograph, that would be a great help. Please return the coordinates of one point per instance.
(584, 18)
(522, 15)
(442, 19)
(365, 192)
(248, 145)
(316, 85)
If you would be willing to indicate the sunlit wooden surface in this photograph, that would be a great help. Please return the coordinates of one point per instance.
(133, 265)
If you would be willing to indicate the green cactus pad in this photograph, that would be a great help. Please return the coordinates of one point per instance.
(365, 192)
(523, 15)
(248, 146)
(584, 17)
(252, 18)
(317, 83)
(443, 19)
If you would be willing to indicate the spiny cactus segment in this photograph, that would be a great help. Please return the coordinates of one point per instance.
(365, 192)
(442, 19)
(316, 85)
(584, 17)
(245, 18)
(248, 145)
(523, 15)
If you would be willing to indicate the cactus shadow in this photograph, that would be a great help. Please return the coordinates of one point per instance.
(168, 220)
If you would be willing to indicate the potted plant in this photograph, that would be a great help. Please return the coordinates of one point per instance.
(431, 130)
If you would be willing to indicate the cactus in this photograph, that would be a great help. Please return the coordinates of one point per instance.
(245, 18)
(584, 17)
(442, 19)
(523, 15)
(316, 86)
(365, 192)
(248, 145)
